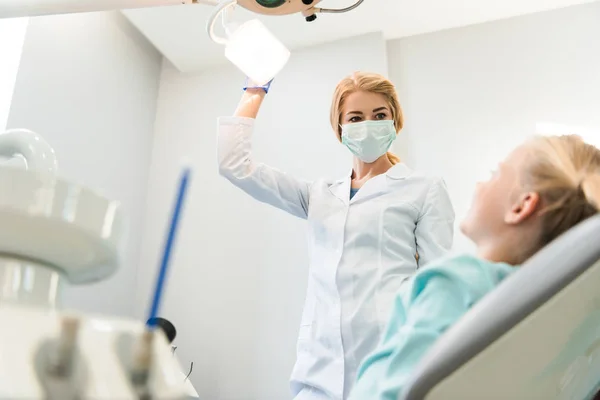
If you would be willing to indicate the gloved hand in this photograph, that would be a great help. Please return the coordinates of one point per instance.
(249, 84)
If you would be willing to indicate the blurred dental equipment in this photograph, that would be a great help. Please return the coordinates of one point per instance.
(166, 257)
(169, 329)
(53, 231)
(251, 47)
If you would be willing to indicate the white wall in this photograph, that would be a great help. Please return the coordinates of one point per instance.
(239, 272)
(472, 94)
(12, 35)
(88, 83)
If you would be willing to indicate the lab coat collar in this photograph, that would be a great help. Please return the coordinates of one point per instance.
(399, 171)
(341, 188)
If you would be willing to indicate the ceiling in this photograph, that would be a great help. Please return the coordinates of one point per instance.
(179, 32)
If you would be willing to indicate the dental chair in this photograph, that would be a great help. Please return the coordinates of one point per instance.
(537, 336)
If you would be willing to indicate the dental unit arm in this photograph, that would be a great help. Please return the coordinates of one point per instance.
(251, 47)
(31, 8)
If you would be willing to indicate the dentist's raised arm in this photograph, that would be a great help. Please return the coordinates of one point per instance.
(250, 103)
(236, 162)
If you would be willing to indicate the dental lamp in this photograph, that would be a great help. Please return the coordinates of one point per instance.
(32, 8)
(251, 46)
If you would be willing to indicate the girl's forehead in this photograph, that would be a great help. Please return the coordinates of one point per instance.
(517, 156)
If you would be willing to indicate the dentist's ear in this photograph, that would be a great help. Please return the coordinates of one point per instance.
(523, 208)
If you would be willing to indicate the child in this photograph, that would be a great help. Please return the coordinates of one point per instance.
(542, 189)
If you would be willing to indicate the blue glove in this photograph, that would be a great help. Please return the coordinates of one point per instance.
(251, 85)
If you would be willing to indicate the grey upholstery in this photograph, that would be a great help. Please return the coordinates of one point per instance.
(508, 315)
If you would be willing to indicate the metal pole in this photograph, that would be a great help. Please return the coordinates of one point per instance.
(32, 8)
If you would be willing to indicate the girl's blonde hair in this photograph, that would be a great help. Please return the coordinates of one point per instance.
(565, 172)
(367, 82)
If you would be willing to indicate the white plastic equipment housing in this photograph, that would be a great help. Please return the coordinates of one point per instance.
(53, 222)
(50, 229)
(25, 328)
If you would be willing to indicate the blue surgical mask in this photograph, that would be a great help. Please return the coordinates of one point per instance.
(369, 140)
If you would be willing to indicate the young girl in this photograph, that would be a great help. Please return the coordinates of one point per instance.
(542, 189)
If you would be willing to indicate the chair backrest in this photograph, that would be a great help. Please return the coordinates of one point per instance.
(537, 336)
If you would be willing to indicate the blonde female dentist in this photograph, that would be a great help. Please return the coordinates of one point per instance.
(365, 230)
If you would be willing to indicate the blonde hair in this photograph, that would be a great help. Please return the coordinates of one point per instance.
(565, 172)
(368, 82)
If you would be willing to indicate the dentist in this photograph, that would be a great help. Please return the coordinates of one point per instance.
(368, 231)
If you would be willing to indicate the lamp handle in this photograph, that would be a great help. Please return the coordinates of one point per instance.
(210, 26)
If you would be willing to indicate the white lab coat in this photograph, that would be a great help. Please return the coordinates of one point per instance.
(360, 251)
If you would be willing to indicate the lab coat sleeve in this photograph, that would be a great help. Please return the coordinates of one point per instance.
(435, 226)
(265, 184)
(435, 306)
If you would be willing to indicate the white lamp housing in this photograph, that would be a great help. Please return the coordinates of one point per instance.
(256, 52)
